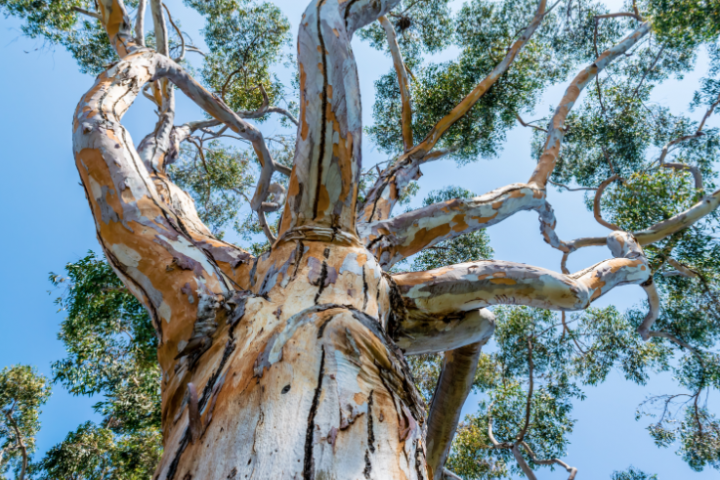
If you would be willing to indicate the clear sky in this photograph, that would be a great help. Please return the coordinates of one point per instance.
(47, 223)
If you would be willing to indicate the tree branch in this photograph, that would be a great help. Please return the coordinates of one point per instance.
(404, 235)
(179, 34)
(528, 403)
(385, 193)
(572, 470)
(556, 131)
(695, 171)
(403, 82)
(596, 203)
(662, 229)
(20, 443)
(140, 23)
(447, 292)
(454, 385)
(88, 13)
(530, 125)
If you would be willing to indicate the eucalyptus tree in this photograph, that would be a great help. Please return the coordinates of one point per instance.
(290, 359)
(22, 392)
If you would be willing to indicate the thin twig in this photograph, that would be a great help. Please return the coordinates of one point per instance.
(524, 124)
(596, 204)
(179, 34)
(88, 13)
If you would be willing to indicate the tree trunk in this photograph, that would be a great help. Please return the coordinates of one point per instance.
(289, 365)
(301, 380)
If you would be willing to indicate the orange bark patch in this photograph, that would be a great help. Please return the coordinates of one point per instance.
(460, 223)
(485, 219)
(304, 127)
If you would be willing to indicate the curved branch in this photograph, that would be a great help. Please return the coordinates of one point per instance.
(662, 229)
(403, 81)
(556, 131)
(572, 470)
(385, 193)
(404, 235)
(116, 21)
(654, 310)
(454, 385)
(179, 34)
(448, 291)
(695, 171)
(596, 203)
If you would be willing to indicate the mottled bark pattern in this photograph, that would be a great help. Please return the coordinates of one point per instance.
(291, 365)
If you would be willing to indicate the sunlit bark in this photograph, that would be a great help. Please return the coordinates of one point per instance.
(292, 365)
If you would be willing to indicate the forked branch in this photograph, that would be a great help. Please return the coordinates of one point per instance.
(403, 82)
(385, 193)
(556, 130)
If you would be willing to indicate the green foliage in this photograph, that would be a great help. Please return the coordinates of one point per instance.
(245, 38)
(95, 453)
(112, 351)
(58, 22)
(22, 392)
(632, 474)
(218, 177)
(541, 362)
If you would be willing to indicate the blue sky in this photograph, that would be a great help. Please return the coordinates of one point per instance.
(48, 224)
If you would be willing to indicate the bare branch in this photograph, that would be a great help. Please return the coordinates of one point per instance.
(572, 470)
(140, 23)
(160, 28)
(453, 387)
(179, 34)
(404, 83)
(385, 193)
(531, 384)
(596, 203)
(662, 229)
(406, 234)
(88, 13)
(266, 228)
(522, 463)
(650, 69)
(618, 14)
(530, 125)
(654, 311)
(447, 291)
(697, 175)
(556, 132)
(570, 189)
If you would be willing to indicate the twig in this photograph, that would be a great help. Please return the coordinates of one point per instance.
(573, 471)
(519, 119)
(569, 189)
(88, 13)
(179, 33)
(657, 57)
(528, 403)
(596, 204)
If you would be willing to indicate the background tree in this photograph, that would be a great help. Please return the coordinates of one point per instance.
(22, 393)
(316, 323)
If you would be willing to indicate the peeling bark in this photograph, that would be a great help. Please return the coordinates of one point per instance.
(291, 365)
